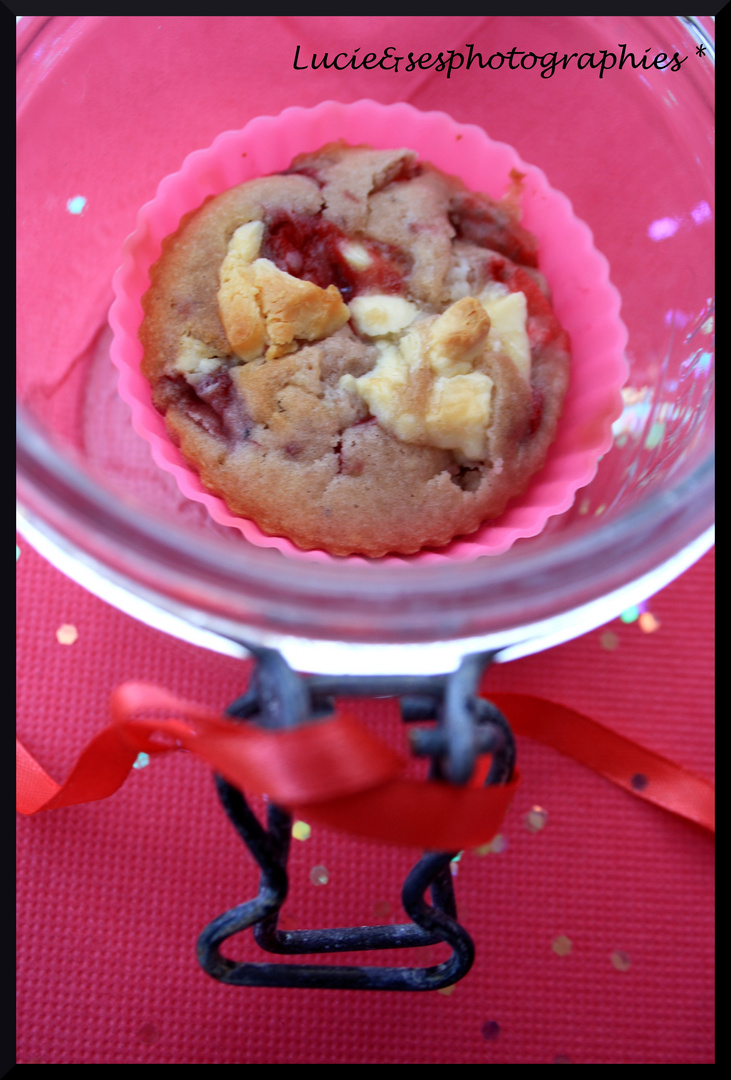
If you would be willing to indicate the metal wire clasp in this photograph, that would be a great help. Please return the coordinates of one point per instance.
(466, 726)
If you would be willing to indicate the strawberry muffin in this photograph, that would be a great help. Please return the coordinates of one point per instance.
(358, 354)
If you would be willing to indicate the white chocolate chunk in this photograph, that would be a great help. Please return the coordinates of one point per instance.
(459, 412)
(246, 241)
(458, 337)
(458, 278)
(265, 310)
(378, 314)
(348, 382)
(384, 390)
(356, 256)
(424, 388)
(238, 303)
(194, 359)
(508, 314)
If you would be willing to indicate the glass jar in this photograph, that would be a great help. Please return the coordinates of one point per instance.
(107, 106)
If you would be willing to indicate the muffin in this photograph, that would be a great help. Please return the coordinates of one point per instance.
(358, 354)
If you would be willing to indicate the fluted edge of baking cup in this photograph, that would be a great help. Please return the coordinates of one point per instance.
(584, 300)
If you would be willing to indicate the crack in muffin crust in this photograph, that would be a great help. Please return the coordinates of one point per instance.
(358, 354)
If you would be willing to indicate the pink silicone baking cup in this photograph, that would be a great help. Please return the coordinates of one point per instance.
(585, 301)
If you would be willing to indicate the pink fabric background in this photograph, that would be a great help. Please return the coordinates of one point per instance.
(112, 896)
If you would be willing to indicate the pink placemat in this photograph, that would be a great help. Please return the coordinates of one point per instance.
(593, 922)
(594, 932)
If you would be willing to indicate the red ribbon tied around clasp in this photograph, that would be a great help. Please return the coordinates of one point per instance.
(343, 776)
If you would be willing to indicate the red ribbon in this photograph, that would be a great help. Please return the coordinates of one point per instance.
(340, 775)
(640, 771)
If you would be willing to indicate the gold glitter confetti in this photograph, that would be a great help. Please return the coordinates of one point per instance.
(561, 945)
(301, 830)
(648, 622)
(447, 990)
(319, 875)
(148, 1034)
(655, 435)
(621, 961)
(490, 1030)
(536, 818)
(66, 634)
(585, 507)
(609, 640)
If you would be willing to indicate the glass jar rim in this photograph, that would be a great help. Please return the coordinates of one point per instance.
(611, 554)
